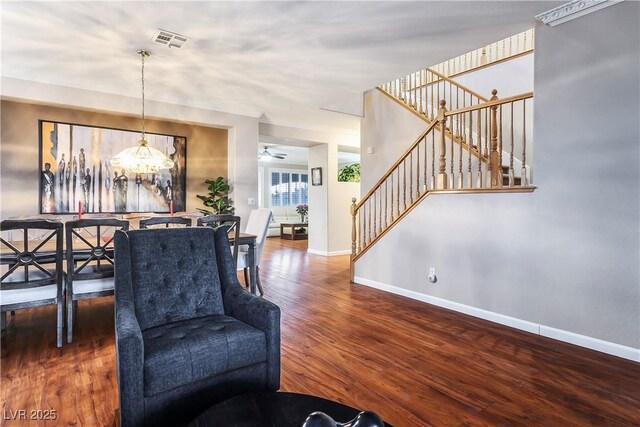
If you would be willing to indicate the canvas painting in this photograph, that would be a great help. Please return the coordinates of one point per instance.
(75, 170)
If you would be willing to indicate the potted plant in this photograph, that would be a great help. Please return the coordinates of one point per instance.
(350, 173)
(218, 198)
(302, 210)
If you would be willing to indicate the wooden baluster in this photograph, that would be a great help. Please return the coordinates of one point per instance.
(450, 103)
(398, 195)
(510, 46)
(353, 232)
(411, 178)
(483, 59)
(500, 148)
(360, 224)
(479, 144)
(487, 146)
(442, 163)
(469, 131)
(375, 228)
(495, 168)
(524, 43)
(420, 92)
(433, 159)
(429, 94)
(392, 172)
(452, 179)
(418, 171)
(363, 236)
(431, 106)
(438, 94)
(369, 222)
(380, 212)
(511, 174)
(460, 158)
(425, 164)
(533, 39)
(360, 246)
(523, 172)
(386, 201)
(413, 91)
(404, 185)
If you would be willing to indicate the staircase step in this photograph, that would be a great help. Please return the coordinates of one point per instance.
(505, 180)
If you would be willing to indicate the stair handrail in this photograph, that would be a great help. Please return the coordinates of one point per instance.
(461, 86)
(491, 103)
(393, 167)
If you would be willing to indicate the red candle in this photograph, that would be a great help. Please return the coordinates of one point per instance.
(171, 207)
(79, 209)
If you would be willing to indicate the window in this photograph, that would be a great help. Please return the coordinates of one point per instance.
(289, 187)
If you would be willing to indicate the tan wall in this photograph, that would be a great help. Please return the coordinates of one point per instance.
(19, 169)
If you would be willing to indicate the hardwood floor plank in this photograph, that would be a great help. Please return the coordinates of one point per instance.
(413, 363)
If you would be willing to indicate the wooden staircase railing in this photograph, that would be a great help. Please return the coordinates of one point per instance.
(503, 50)
(421, 91)
(434, 164)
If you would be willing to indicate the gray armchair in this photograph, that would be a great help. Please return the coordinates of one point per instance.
(187, 334)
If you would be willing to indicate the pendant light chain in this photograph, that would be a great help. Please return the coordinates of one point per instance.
(143, 53)
(142, 159)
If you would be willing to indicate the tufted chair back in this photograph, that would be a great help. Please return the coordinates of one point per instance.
(172, 274)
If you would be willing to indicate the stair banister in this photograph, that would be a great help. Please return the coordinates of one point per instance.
(479, 130)
(442, 161)
(495, 166)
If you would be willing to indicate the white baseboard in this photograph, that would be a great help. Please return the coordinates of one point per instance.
(614, 349)
(324, 253)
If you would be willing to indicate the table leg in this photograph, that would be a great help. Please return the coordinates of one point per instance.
(252, 266)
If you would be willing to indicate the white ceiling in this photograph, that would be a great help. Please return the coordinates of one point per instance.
(255, 58)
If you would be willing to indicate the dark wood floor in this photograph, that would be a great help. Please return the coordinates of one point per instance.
(413, 363)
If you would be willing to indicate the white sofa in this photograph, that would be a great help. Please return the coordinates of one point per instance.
(281, 214)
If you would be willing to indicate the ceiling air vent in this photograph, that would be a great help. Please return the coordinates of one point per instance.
(170, 39)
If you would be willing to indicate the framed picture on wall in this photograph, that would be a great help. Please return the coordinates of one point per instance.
(75, 167)
(316, 176)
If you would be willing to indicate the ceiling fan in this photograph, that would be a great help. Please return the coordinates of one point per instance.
(266, 155)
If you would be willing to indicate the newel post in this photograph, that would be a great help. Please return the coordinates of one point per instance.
(442, 162)
(353, 238)
(495, 166)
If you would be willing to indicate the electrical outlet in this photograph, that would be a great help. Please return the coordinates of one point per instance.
(251, 201)
(432, 275)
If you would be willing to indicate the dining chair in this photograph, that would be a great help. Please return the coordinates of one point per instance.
(231, 222)
(32, 269)
(90, 264)
(258, 225)
(164, 220)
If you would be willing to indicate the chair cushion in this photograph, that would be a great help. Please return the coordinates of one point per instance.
(182, 352)
(15, 296)
(93, 285)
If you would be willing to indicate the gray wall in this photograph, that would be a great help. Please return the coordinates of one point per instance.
(567, 255)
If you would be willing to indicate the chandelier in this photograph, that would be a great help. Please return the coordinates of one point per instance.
(142, 158)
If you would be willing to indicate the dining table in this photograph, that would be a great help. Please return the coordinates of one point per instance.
(48, 251)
